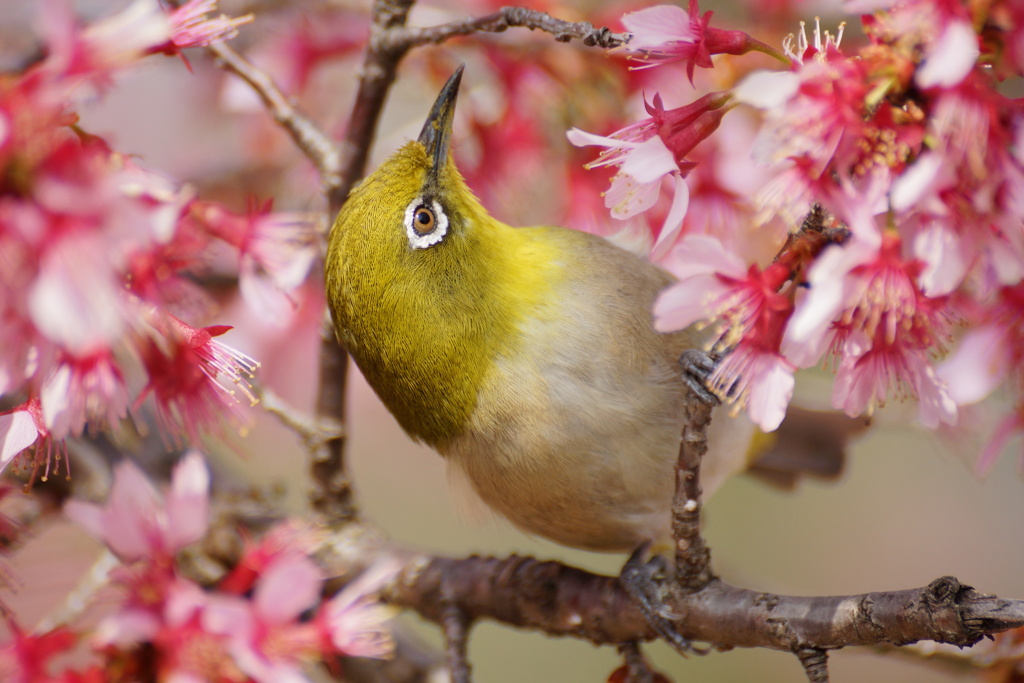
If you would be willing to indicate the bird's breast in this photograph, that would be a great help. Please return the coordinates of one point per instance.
(576, 427)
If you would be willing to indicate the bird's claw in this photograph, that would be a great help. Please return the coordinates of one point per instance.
(697, 367)
(645, 581)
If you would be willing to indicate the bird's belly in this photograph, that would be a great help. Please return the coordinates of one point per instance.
(581, 455)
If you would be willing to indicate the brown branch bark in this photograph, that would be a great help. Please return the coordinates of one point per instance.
(564, 601)
(693, 558)
(504, 19)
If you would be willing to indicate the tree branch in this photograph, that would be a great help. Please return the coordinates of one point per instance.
(314, 143)
(313, 429)
(502, 20)
(693, 559)
(565, 601)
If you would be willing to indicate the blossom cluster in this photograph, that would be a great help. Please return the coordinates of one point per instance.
(908, 152)
(99, 255)
(263, 622)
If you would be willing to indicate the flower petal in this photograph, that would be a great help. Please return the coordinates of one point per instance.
(188, 502)
(978, 365)
(674, 220)
(766, 89)
(950, 58)
(17, 432)
(288, 587)
(654, 27)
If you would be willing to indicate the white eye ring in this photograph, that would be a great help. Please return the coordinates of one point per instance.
(422, 240)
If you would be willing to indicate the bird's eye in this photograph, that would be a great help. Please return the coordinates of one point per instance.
(423, 220)
(425, 223)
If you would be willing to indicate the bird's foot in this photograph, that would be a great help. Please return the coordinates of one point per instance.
(697, 367)
(649, 582)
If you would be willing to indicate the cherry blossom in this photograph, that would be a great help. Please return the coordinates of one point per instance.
(190, 27)
(987, 357)
(276, 250)
(23, 429)
(354, 622)
(268, 639)
(138, 522)
(187, 369)
(666, 33)
(28, 657)
(19, 429)
(651, 150)
(865, 305)
(748, 315)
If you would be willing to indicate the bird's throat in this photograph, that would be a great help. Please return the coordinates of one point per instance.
(427, 335)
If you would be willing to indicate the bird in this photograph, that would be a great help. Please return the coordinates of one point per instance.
(525, 356)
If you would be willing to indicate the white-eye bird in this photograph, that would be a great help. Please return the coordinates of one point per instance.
(525, 356)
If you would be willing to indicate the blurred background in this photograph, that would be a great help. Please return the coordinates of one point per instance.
(907, 509)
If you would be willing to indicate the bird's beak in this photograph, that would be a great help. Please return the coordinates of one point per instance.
(436, 135)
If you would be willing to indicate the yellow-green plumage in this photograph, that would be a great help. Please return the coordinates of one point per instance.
(425, 325)
(526, 356)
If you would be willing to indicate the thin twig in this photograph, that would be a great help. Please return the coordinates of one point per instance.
(693, 570)
(504, 19)
(456, 634)
(330, 490)
(312, 429)
(314, 143)
(815, 663)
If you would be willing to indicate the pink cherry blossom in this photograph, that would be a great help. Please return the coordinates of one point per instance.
(666, 33)
(276, 250)
(705, 270)
(643, 161)
(93, 246)
(756, 376)
(951, 57)
(356, 624)
(960, 201)
(991, 353)
(823, 130)
(865, 305)
(187, 369)
(25, 441)
(143, 27)
(190, 26)
(29, 657)
(76, 300)
(989, 356)
(748, 316)
(823, 47)
(166, 611)
(186, 651)
(138, 522)
(20, 428)
(93, 53)
(285, 539)
(265, 636)
(650, 150)
(84, 389)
